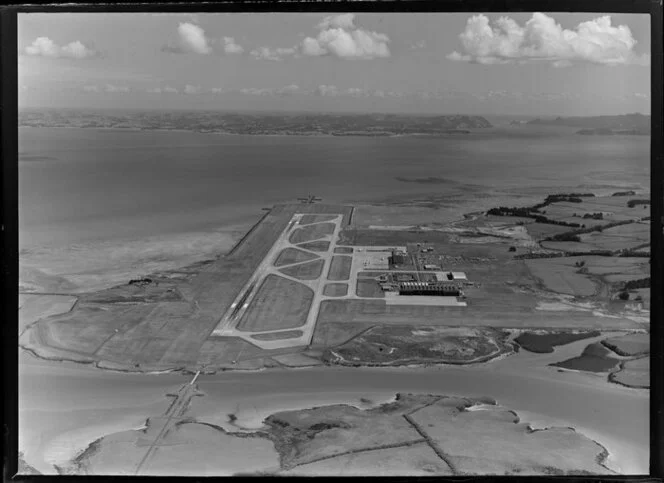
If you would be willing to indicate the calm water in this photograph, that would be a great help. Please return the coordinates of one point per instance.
(77, 185)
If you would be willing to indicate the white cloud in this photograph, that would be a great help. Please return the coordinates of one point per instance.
(542, 39)
(418, 45)
(230, 47)
(217, 90)
(339, 36)
(91, 88)
(45, 47)
(191, 39)
(170, 90)
(112, 88)
(154, 90)
(189, 89)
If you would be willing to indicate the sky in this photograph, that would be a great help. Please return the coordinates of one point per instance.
(528, 64)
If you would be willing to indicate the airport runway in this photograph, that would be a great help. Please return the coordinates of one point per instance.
(227, 324)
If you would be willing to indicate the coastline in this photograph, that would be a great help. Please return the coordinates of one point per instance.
(353, 385)
(227, 133)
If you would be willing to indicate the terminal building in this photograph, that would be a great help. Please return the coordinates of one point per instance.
(428, 288)
(398, 257)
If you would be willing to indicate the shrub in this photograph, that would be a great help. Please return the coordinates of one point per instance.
(623, 295)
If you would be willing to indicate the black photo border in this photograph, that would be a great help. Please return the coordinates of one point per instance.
(9, 180)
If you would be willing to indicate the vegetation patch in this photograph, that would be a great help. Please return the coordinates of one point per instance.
(335, 289)
(542, 343)
(279, 304)
(340, 267)
(557, 276)
(345, 250)
(369, 288)
(629, 345)
(312, 232)
(316, 246)
(286, 334)
(633, 373)
(304, 271)
(398, 345)
(595, 358)
(289, 256)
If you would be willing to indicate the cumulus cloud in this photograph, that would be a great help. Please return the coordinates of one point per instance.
(230, 47)
(339, 36)
(191, 39)
(45, 47)
(170, 90)
(189, 89)
(91, 88)
(542, 39)
(217, 90)
(154, 90)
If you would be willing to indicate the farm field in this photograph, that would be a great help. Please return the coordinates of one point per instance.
(304, 271)
(340, 267)
(543, 230)
(289, 256)
(35, 307)
(466, 435)
(279, 304)
(414, 460)
(343, 250)
(355, 430)
(629, 345)
(311, 232)
(561, 278)
(335, 289)
(633, 373)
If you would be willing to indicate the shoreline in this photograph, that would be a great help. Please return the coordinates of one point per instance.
(258, 428)
(300, 134)
(249, 412)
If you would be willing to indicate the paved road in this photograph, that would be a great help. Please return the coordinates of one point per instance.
(159, 427)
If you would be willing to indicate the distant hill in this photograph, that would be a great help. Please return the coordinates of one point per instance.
(295, 124)
(602, 125)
